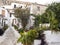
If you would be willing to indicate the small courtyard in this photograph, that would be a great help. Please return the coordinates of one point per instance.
(27, 23)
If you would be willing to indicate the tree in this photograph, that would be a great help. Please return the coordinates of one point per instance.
(44, 18)
(37, 20)
(53, 12)
(22, 14)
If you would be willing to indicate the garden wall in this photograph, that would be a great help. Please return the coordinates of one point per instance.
(52, 38)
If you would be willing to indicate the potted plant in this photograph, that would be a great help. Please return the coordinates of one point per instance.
(27, 38)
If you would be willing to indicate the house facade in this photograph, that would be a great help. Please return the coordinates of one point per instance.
(3, 15)
(6, 18)
(35, 8)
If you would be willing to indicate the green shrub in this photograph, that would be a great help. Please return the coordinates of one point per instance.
(27, 38)
(5, 27)
(20, 30)
(16, 27)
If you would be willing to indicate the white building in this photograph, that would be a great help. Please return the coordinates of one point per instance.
(4, 15)
(33, 7)
(6, 18)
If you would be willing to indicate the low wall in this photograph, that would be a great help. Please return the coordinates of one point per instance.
(52, 38)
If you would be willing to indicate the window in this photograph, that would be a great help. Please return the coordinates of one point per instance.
(10, 14)
(38, 8)
(21, 6)
(14, 6)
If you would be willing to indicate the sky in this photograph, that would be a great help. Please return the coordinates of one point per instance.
(42, 1)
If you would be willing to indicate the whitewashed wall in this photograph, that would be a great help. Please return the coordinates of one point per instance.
(53, 38)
